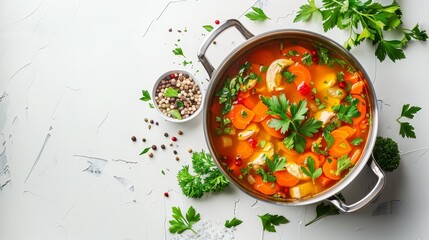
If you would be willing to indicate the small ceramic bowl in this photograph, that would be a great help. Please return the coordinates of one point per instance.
(181, 97)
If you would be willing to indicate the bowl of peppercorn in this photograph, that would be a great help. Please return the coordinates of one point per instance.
(177, 96)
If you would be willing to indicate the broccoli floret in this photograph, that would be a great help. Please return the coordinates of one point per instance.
(386, 153)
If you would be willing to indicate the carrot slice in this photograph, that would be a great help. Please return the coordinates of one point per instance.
(240, 116)
(301, 73)
(285, 179)
(340, 134)
(329, 169)
(351, 77)
(271, 131)
(267, 188)
(243, 149)
(340, 148)
(251, 101)
(350, 131)
(324, 181)
(260, 111)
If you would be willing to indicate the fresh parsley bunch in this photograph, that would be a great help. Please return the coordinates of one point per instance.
(365, 20)
(207, 177)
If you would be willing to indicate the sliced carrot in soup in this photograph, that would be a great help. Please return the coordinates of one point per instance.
(260, 111)
(240, 116)
(285, 179)
(271, 131)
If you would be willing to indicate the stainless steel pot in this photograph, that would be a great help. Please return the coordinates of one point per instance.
(218, 76)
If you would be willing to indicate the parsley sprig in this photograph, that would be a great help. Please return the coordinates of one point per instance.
(182, 223)
(324, 210)
(406, 129)
(346, 113)
(310, 170)
(296, 124)
(257, 15)
(207, 178)
(365, 20)
(343, 163)
(269, 221)
(232, 223)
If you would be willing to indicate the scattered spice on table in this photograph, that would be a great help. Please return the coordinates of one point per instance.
(177, 158)
(149, 127)
(153, 147)
(190, 150)
(146, 120)
(174, 151)
(162, 146)
(165, 134)
(180, 132)
(173, 139)
(150, 155)
(151, 121)
(133, 138)
(166, 194)
(144, 139)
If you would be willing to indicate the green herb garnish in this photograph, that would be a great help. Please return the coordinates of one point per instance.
(146, 96)
(175, 114)
(207, 176)
(180, 223)
(310, 170)
(347, 113)
(145, 151)
(407, 130)
(288, 76)
(178, 52)
(209, 28)
(270, 221)
(171, 92)
(295, 124)
(232, 223)
(257, 15)
(343, 163)
(307, 59)
(365, 20)
(357, 141)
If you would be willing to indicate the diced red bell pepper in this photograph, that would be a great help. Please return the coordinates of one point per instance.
(304, 88)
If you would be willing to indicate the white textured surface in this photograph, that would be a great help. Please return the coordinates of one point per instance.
(71, 74)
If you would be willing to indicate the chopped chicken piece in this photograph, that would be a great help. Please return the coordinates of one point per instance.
(274, 73)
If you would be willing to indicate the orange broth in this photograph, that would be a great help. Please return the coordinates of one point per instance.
(251, 147)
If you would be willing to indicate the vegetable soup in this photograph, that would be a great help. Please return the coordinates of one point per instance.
(290, 120)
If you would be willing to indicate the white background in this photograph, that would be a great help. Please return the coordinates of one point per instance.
(71, 75)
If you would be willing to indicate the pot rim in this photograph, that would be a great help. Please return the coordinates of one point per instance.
(242, 49)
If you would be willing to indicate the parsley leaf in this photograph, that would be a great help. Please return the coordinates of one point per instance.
(208, 178)
(296, 125)
(175, 114)
(209, 28)
(306, 11)
(357, 141)
(277, 164)
(270, 221)
(347, 113)
(180, 223)
(311, 171)
(365, 20)
(233, 223)
(324, 210)
(406, 129)
(145, 151)
(146, 96)
(288, 76)
(257, 15)
(343, 163)
(307, 59)
(328, 138)
(178, 52)
(266, 176)
(171, 92)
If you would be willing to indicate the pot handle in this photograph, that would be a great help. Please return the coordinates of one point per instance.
(342, 206)
(213, 35)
